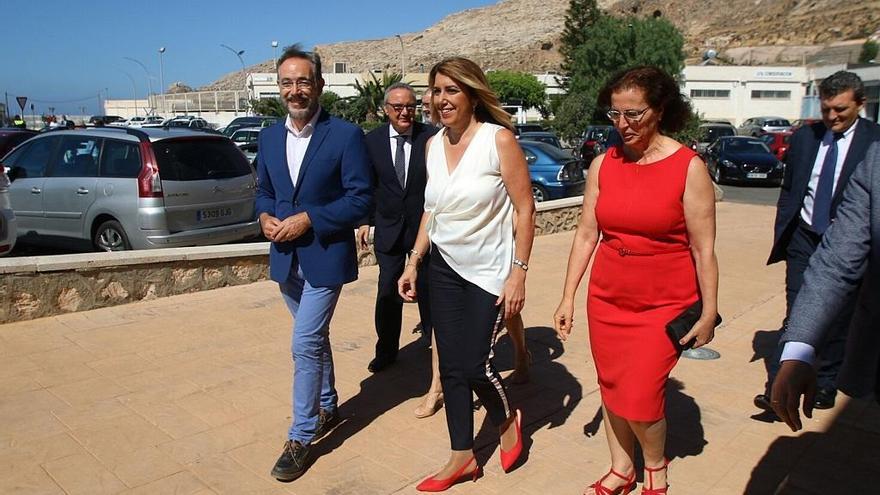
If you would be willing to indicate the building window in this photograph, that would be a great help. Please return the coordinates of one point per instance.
(710, 93)
(340, 68)
(769, 94)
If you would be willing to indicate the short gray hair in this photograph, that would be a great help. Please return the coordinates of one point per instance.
(841, 82)
(398, 85)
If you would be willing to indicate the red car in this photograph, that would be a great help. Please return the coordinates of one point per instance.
(777, 142)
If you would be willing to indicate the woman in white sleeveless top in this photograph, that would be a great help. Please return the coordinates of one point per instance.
(478, 188)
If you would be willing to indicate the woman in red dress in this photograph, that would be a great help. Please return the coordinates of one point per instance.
(649, 215)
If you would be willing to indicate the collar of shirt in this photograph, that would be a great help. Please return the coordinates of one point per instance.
(306, 130)
(847, 134)
(392, 132)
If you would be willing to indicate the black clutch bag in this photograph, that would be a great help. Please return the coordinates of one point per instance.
(682, 324)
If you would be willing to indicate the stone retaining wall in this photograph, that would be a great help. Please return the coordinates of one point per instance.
(39, 286)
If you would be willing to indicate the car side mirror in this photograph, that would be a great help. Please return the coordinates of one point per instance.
(12, 172)
(530, 159)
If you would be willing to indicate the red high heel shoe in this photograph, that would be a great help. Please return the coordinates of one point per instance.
(620, 490)
(651, 471)
(431, 484)
(509, 458)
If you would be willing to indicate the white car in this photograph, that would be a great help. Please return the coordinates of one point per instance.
(8, 231)
(141, 121)
(246, 135)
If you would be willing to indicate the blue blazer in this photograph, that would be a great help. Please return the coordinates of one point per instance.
(333, 186)
(802, 150)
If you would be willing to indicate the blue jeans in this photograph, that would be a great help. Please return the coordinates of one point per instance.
(313, 380)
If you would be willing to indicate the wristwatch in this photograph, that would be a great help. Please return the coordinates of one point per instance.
(522, 264)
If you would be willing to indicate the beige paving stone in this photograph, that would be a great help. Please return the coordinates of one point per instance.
(170, 418)
(93, 415)
(84, 392)
(181, 483)
(121, 366)
(209, 409)
(29, 480)
(116, 437)
(219, 440)
(142, 466)
(63, 374)
(83, 474)
(223, 475)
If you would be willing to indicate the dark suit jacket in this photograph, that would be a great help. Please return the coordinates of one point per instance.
(333, 187)
(397, 211)
(802, 150)
(849, 253)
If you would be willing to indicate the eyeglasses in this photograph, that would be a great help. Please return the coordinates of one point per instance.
(631, 116)
(398, 108)
(301, 83)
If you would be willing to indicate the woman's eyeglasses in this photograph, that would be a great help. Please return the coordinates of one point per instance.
(631, 115)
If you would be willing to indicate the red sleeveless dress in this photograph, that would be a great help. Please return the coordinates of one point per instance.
(643, 276)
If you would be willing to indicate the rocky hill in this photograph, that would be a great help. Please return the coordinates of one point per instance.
(524, 34)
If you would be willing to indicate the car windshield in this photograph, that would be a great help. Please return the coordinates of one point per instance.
(710, 134)
(199, 159)
(550, 150)
(746, 146)
(777, 123)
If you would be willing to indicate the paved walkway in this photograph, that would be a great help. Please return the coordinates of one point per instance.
(190, 395)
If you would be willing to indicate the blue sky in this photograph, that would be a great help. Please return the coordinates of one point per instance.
(62, 53)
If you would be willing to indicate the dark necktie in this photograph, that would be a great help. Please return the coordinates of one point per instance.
(825, 188)
(400, 161)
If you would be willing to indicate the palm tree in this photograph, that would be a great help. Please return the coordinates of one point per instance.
(372, 93)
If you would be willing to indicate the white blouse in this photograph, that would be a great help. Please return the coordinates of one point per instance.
(471, 215)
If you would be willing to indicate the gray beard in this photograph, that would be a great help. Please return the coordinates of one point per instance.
(304, 113)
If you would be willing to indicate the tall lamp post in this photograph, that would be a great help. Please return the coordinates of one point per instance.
(133, 90)
(149, 77)
(275, 53)
(162, 77)
(402, 56)
(239, 53)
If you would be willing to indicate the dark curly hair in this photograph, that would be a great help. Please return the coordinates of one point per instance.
(661, 92)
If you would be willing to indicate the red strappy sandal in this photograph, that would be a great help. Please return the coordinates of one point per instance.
(651, 471)
(620, 490)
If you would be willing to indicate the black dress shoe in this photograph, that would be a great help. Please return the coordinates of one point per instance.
(762, 401)
(825, 398)
(327, 420)
(293, 461)
(378, 364)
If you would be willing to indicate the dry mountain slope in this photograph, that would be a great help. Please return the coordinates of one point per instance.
(524, 34)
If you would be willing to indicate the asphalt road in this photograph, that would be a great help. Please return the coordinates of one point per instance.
(751, 194)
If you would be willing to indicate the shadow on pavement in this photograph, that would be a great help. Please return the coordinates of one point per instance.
(547, 400)
(843, 459)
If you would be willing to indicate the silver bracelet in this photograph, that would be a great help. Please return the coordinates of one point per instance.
(520, 263)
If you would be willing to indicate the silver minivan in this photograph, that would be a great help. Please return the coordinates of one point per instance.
(116, 189)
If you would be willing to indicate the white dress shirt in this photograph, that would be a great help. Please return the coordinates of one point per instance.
(297, 142)
(407, 147)
(842, 148)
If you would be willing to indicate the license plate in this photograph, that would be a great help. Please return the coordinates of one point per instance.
(756, 175)
(214, 213)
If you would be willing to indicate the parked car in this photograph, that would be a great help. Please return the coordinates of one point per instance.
(253, 121)
(250, 151)
(743, 158)
(543, 137)
(797, 124)
(185, 121)
(245, 135)
(139, 121)
(521, 128)
(104, 119)
(709, 132)
(8, 228)
(593, 135)
(554, 173)
(117, 189)
(756, 126)
(10, 137)
(778, 143)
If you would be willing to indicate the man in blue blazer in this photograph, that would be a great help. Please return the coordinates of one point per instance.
(314, 185)
(821, 159)
(847, 262)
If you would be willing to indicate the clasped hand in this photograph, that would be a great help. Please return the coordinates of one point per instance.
(288, 229)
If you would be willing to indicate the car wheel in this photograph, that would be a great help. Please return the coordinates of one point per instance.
(717, 176)
(110, 236)
(539, 193)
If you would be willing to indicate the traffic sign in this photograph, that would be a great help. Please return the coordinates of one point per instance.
(22, 101)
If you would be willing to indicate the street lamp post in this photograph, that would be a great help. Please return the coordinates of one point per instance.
(275, 53)
(239, 53)
(402, 56)
(133, 91)
(149, 77)
(162, 78)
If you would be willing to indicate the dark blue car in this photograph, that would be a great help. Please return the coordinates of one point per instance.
(554, 172)
(744, 159)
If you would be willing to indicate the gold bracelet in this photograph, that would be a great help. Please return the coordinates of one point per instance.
(413, 252)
